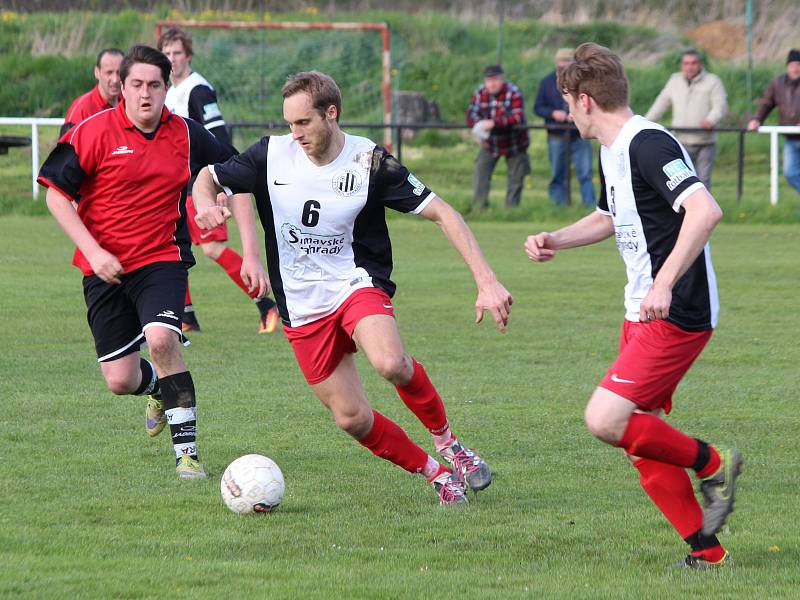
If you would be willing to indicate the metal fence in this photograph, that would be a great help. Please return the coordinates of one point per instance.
(397, 130)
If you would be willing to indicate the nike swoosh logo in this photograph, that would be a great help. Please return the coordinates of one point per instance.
(276, 182)
(616, 379)
(204, 235)
(388, 306)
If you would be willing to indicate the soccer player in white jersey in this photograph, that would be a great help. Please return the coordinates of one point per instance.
(191, 96)
(662, 217)
(321, 196)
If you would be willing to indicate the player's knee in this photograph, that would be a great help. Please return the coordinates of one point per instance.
(212, 249)
(120, 384)
(163, 348)
(601, 426)
(396, 368)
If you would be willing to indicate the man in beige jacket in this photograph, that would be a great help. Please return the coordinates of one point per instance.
(698, 99)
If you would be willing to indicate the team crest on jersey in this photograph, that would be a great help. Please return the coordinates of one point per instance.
(677, 171)
(346, 183)
(419, 187)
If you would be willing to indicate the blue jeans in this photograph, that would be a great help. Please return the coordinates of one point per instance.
(791, 162)
(581, 153)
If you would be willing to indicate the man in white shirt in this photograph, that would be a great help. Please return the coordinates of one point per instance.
(321, 196)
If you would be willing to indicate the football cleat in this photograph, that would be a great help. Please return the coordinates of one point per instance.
(190, 322)
(469, 465)
(269, 315)
(154, 417)
(189, 468)
(450, 487)
(699, 564)
(718, 491)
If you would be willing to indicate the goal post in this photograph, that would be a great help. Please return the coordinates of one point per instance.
(248, 62)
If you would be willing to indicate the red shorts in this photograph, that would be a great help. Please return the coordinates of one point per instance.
(319, 346)
(203, 236)
(653, 358)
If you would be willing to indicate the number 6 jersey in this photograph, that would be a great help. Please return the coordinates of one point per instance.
(325, 229)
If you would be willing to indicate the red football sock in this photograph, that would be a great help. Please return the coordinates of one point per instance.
(232, 263)
(647, 436)
(424, 401)
(670, 489)
(712, 466)
(715, 554)
(188, 298)
(387, 440)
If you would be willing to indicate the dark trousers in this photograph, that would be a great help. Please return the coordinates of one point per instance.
(518, 167)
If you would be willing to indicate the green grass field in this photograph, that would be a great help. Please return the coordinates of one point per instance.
(91, 508)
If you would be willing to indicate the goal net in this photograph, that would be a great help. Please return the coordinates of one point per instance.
(248, 63)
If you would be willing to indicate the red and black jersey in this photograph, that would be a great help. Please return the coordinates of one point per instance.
(83, 107)
(129, 185)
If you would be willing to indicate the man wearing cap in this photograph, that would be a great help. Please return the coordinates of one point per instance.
(496, 114)
(698, 100)
(784, 92)
(551, 106)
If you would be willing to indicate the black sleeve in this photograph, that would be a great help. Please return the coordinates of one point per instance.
(62, 170)
(244, 172)
(204, 108)
(602, 201)
(205, 149)
(660, 161)
(393, 185)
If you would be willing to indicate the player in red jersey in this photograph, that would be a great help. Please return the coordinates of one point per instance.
(102, 96)
(127, 170)
(191, 96)
(321, 196)
(662, 217)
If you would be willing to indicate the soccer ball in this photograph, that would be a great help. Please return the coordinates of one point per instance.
(252, 483)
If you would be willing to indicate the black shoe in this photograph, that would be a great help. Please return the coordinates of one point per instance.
(269, 315)
(189, 320)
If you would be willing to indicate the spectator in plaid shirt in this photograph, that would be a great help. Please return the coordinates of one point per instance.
(497, 107)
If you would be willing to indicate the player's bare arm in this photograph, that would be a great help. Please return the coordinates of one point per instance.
(210, 214)
(253, 273)
(104, 264)
(492, 296)
(591, 229)
(702, 215)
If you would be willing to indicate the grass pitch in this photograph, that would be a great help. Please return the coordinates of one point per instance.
(90, 507)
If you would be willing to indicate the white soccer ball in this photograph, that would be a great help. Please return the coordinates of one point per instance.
(252, 483)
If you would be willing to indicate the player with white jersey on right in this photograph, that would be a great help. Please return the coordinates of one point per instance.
(662, 217)
(321, 196)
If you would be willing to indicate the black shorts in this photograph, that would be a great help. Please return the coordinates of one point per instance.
(118, 315)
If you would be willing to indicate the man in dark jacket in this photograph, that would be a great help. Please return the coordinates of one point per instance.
(550, 105)
(784, 92)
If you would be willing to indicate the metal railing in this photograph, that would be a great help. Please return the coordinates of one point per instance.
(397, 134)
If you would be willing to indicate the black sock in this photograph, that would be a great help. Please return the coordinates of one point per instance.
(264, 304)
(699, 542)
(177, 394)
(149, 384)
(703, 456)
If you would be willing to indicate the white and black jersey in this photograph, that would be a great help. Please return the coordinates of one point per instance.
(325, 227)
(645, 176)
(194, 98)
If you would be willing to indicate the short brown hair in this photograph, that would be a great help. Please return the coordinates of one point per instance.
(173, 34)
(321, 87)
(111, 51)
(148, 56)
(597, 72)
